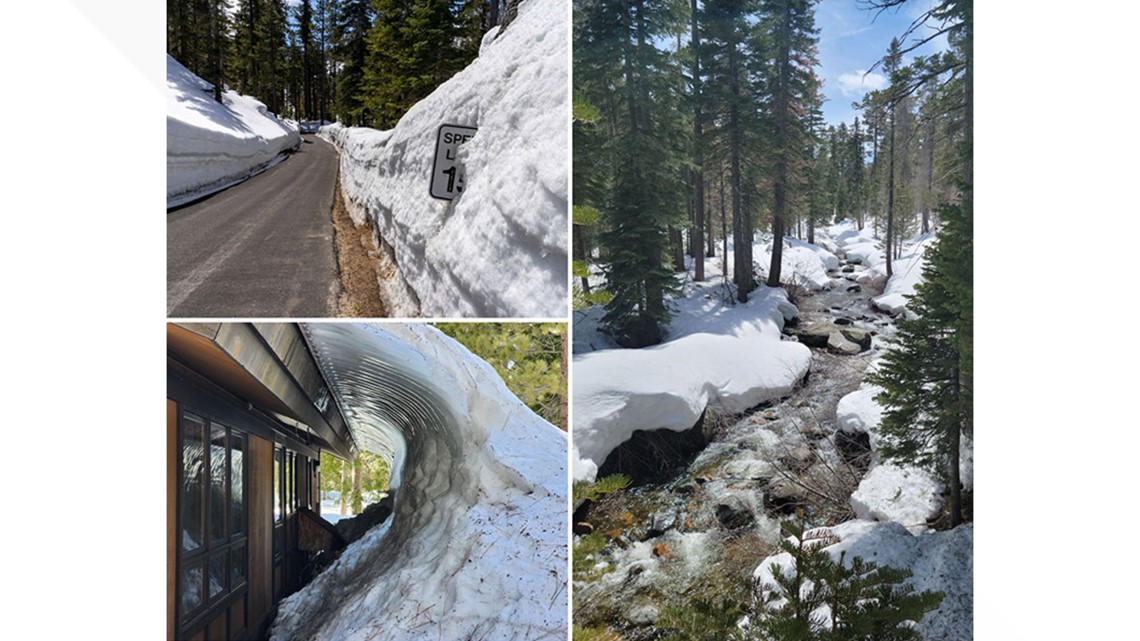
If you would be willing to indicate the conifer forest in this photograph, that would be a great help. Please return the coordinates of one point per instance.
(801, 273)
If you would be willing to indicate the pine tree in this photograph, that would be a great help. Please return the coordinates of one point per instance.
(528, 356)
(413, 47)
(732, 56)
(927, 377)
(822, 599)
(635, 84)
(793, 89)
(351, 52)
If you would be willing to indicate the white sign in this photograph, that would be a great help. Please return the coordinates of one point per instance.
(446, 176)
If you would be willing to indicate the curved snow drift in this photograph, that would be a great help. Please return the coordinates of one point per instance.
(499, 248)
(476, 547)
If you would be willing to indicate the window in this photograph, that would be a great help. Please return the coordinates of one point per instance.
(212, 513)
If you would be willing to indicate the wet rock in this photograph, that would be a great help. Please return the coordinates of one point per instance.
(860, 337)
(843, 321)
(836, 342)
(733, 512)
(855, 288)
(352, 529)
(661, 522)
(687, 488)
(848, 269)
(817, 334)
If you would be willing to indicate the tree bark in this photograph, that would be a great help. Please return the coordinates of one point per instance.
(696, 241)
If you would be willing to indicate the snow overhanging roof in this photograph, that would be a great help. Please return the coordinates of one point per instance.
(386, 391)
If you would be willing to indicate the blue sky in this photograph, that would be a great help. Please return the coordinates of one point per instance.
(851, 40)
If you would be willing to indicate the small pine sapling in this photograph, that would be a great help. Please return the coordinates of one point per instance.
(822, 599)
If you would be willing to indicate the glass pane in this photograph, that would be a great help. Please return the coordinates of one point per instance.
(191, 587)
(237, 486)
(237, 565)
(217, 574)
(193, 481)
(218, 474)
(289, 483)
(277, 486)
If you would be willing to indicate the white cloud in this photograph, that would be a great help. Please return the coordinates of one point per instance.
(859, 82)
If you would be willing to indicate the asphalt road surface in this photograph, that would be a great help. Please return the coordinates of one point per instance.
(263, 248)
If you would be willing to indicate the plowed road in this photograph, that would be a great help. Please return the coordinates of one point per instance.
(263, 248)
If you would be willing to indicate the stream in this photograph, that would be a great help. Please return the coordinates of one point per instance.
(691, 534)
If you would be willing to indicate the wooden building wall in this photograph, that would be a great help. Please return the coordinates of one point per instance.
(260, 529)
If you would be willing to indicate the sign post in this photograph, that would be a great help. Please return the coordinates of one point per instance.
(447, 177)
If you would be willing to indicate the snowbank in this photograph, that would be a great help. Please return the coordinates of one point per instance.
(476, 547)
(939, 561)
(731, 357)
(499, 248)
(210, 146)
(906, 495)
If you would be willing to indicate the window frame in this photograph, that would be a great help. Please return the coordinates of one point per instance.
(235, 536)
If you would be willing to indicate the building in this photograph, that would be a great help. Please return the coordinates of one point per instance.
(248, 413)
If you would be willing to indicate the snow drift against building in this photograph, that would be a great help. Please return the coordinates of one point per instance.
(209, 145)
(476, 547)
(499, 248)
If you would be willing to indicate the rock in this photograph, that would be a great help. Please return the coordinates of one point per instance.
(643, 614)
(687, 488)
(352, 529)
(848, 269)
(858, 336)
(816, 335)
(770, 414)
(661, 522)
(854, 288)
(733, 512)
(836, 342)
(843, 321)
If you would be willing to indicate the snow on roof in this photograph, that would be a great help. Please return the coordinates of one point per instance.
(477, 543)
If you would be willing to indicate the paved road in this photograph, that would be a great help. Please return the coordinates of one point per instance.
(263, 248)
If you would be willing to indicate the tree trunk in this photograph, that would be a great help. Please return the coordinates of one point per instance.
(343, 494)
(580, 255)
(891, 194)
(696, 241)
(723, 229)
(357, 468)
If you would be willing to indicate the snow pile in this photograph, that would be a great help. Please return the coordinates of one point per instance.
(907, 272)
(499, 248)
(939, 561)
(801, 263)
(906, 495)
(210, 146)
(860, 412)
(476, 547)
(731, 357)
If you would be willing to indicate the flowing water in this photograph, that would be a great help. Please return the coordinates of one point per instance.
(696, 534)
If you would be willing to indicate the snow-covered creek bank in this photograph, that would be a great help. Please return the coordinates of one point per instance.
(698, 532)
